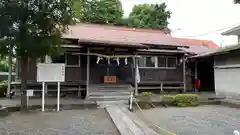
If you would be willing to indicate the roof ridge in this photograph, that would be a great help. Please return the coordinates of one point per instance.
(124, 28)
(195, 39)
(206, 43)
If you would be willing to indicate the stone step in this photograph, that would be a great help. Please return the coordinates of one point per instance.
(110, 85)
(109, 105)
(103, 104)
(108, 93)
(109, 89)
(108, 98)
(113, 102)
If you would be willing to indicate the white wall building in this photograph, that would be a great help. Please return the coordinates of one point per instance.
(226, 67)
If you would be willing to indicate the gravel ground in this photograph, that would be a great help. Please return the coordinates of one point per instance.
(202, 120)
(69, 122)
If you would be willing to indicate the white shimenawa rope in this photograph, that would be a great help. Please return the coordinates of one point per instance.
(107, 56)
(114, 57)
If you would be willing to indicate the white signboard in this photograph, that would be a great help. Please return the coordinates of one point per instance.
(29, 93)
(54, 72)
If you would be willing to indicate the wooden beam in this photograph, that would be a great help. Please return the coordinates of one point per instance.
(88, 72)
(196, 74)
(135, 67)
(184, 74)
(71, 46)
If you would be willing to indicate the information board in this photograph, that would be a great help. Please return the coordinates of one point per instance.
(54, 72)
(30, 93)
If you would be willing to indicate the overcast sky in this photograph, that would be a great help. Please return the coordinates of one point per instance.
(191, 18)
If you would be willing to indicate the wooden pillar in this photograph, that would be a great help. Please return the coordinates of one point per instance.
(135, 67)
(196, 74)
(184, 74)
(80, 66)
(88, 72)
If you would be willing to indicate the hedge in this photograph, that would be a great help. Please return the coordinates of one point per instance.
(184, 100)
(167, 99)
(3, 88)
(181, 100)
(144, 100)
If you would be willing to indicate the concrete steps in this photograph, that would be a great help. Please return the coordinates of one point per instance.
(104, 104)
(109, 92)
(108, 98)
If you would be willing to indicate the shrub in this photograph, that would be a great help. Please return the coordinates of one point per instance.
(167, 100)
(167, 97)
(144, 100)
(145, 96)
(149, 94)
(3, 89)
(184, 100)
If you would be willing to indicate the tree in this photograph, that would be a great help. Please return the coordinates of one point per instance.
(153, 16)
(33, 28)
(4, 64)
(76, 8)
(100, 11)
(236, 1)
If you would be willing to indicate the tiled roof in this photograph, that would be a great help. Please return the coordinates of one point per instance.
(120, 34)
(208, 43)
(198, 46)
(219, 51)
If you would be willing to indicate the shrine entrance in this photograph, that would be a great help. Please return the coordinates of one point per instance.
(111, 70)
(110, 77)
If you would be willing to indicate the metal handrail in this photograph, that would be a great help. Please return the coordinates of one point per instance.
(131, 102)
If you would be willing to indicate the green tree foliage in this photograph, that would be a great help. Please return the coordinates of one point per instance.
(153, 16)
(4, 64)
(236, 1)
(76, 8)
(33, 28)
(100, 11)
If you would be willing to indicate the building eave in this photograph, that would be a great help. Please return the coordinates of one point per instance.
(232, 31)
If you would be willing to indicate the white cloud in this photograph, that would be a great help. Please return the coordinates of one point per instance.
(194, 17)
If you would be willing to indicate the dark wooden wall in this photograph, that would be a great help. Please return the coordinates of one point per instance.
(76, 75)
(151, 75)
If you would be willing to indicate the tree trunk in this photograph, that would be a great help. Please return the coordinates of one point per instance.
(24, 78)
(9, 74)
